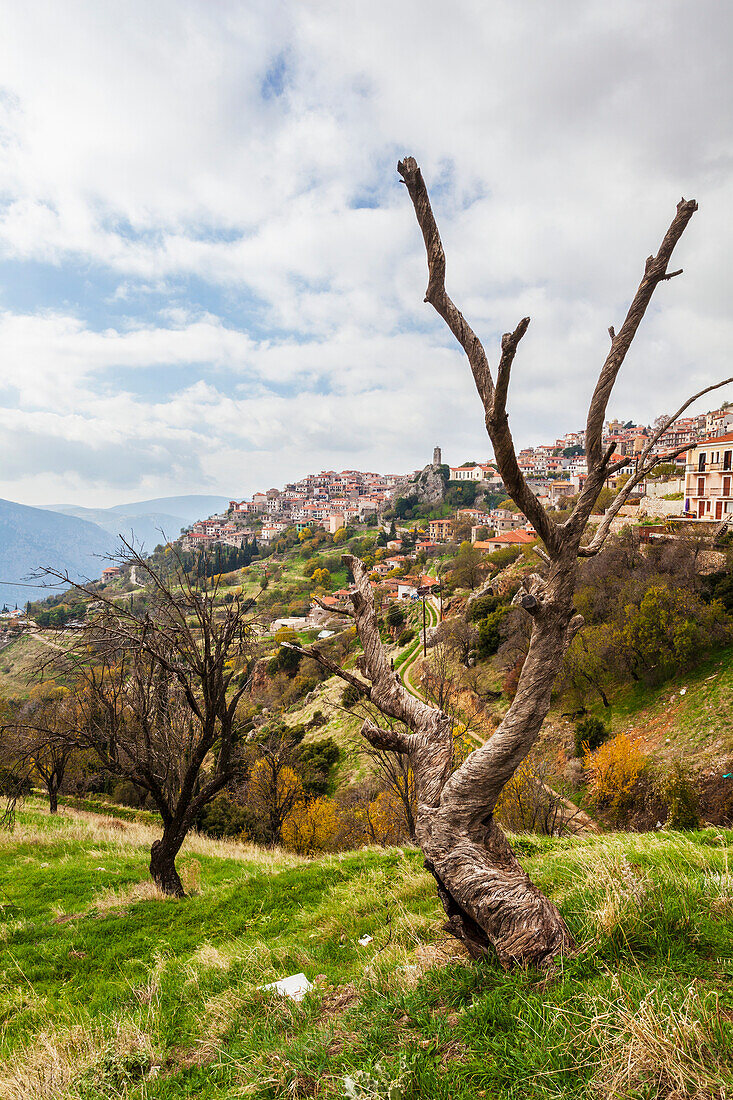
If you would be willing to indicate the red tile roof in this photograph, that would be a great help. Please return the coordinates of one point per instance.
(714, 439)
(518, 537)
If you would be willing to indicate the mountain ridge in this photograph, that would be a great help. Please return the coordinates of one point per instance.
(146, 522)
(32, 539)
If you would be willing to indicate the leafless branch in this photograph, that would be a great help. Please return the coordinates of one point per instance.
(655, 272)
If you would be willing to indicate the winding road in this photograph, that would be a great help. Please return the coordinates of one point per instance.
(579, 819)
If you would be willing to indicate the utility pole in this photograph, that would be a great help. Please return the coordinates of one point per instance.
(423, 591)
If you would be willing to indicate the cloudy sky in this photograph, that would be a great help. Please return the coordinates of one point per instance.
(212, 281)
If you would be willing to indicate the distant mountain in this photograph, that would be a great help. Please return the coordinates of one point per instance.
(144, 520)
(190, 507)
(33, 538)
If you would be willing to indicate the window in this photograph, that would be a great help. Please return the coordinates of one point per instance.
(726, 459)
(701, 461)
(726, 486)
(701, 486)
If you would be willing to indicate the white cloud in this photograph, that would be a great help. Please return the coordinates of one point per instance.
(138, 142)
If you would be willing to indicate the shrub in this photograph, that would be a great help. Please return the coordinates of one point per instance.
(312, 827)
(590, 733)
(613, 771)
(316, 763)
(395, 616)
(406, 636)
(129, 794)
(501, 558)
(223, 817)
(678, 791)
(285, 660)
(489, 635)
(349, 696)
(527, 805)
(481, 607)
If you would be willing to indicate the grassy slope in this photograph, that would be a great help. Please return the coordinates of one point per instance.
(111, 991)
(686, 718)
(694, 724)
(20, 660)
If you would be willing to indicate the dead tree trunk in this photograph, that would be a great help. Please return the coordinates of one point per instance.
(489, 900)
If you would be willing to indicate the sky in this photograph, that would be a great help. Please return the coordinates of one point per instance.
(211, 279)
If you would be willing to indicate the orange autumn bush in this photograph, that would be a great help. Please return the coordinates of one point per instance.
(313, 826)
(613, 771)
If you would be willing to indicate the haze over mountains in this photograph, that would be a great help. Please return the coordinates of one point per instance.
(149, 522)
(77, 539)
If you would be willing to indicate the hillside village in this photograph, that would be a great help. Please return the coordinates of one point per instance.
(555, 472)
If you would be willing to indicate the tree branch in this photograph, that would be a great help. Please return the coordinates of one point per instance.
(389, 740)
(655, 272)
(316, 655)
(436, 294)
(604, 527)
(494, 401)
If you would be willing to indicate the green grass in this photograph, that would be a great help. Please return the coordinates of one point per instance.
(20, 661)
(697, 723)
(99, 805)
(109, 990)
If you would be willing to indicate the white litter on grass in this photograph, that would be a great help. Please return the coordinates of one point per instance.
(683, 691)
(366, 940)
(296, 986)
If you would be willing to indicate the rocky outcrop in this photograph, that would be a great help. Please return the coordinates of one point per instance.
(427, 486)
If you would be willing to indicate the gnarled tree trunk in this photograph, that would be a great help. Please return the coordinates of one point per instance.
(163, 854)
(489, 901)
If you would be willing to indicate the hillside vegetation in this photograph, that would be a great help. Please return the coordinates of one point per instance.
(111, 990)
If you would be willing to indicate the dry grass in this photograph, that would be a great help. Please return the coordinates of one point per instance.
(662, 1048)
(52, 1068)
(623, 889)
(110, 899)
(90, 828)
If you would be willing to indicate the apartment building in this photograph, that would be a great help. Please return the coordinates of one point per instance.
(441, 530)
(709, 478)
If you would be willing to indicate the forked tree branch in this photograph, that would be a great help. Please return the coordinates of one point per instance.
(670, 420)
(495, 411)
(430, 744)
(655, 272)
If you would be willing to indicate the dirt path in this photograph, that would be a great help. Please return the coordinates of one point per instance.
(45, 641)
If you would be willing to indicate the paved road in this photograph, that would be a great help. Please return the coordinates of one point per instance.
(432, 618)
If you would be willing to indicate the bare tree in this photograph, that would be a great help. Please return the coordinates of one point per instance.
(156, 696)
(33, 747)
(274, 788)
(395, 773)
(489, 900)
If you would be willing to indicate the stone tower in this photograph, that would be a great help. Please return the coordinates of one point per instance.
(437, 457)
